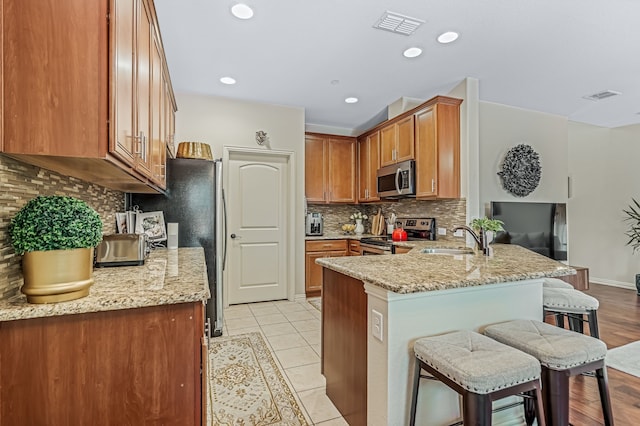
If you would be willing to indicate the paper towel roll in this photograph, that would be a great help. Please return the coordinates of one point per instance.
(172, 235)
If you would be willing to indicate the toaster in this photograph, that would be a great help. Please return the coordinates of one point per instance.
(122, 250)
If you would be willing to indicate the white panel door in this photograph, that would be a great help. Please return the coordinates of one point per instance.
(258, 208)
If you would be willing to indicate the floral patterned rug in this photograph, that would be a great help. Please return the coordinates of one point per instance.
(316, 302)
(246, 387)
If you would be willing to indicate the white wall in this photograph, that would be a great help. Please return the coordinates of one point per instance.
(222, 122)
(603, 165)
(503, 127)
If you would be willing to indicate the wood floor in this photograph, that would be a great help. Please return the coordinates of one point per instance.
(619, 320)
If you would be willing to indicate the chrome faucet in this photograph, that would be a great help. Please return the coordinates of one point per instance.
(481, 240)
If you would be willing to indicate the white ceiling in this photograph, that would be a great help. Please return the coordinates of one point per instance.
(543, 55)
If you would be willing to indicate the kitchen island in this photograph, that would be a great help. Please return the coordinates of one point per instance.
(131, 352)
(375, 307)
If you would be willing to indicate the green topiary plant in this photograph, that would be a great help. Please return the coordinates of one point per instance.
(633, 217)
(486, 224)
(55, 223)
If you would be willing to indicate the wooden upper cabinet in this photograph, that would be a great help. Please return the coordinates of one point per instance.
(330, 169)
(314, 169)
(123, 142)
(438, 149)
(85, 71)
(341, 162)
(368, 165)
(397, 141)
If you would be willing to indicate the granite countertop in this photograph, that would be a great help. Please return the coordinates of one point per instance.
(415, 272)
(167, 277)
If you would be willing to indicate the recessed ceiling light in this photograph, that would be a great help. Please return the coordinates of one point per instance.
(228, 80)
(351, 100)
(412, 52)
(447, 37)
(242, 11)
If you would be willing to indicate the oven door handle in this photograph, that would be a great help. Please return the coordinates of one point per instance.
(398, 172)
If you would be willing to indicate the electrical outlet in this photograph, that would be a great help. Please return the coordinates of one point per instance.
(377, 322)
(459, 233)
(442, 231)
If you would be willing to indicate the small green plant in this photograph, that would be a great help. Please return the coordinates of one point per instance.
(55, 223)
(487, 224)
(633, 217)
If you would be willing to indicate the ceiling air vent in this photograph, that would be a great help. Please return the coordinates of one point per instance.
(397, 23)
(602, 95)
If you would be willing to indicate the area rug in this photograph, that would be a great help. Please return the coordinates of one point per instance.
(316, 302)
(246, 387)
(625, 358)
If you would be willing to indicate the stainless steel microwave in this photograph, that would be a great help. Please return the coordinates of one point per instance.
(397, 180)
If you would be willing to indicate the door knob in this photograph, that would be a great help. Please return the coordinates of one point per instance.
(233, 236)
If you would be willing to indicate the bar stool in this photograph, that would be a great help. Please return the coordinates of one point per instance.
(481, 370)
(573, 304)
(556, 283)
(562, 354)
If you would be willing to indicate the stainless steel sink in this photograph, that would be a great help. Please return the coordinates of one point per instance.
(451, 251)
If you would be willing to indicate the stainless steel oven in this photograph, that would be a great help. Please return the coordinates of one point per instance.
(369, 248)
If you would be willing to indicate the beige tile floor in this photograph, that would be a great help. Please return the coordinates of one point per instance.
(292, 330)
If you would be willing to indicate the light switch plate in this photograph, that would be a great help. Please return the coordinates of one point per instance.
(442, 231)
(377, 322)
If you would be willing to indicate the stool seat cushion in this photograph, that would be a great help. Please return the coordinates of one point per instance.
(556, 283)
(555, 347)
(568, 300)
(475, 362)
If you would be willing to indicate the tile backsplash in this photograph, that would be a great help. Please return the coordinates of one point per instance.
(19, 183)
(448, 213)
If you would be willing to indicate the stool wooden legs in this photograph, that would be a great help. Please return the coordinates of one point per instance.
(414, 395)
(555, 386)
(576, 322)
(605, 400)
(477, 408)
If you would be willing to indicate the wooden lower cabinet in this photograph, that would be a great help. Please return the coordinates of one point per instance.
(313, 272)
(354, 248)
(126, 367)
(344, 346)
(579, 281)
(402, 250)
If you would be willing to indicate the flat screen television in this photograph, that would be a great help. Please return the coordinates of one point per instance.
(540, 227)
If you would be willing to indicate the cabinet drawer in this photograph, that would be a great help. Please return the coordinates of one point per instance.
(326, 245)
(354, 247)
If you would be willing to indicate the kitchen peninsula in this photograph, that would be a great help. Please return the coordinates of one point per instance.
(129, 353)
(375, 307)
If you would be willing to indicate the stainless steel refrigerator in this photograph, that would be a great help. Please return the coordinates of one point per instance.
(195, 200)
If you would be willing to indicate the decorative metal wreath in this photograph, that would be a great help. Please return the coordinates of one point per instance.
(520, 170)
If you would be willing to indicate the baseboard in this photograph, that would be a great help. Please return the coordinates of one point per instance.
(612, 283)
(300, 297)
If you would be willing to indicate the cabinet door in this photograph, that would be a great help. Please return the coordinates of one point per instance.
(144, 90)
(426, 173)
(404, 139)
(341, 162)
(363, 169)
(122, 142)
(313, 271)
(387, 145)
(158, 148)
(373, 145)
(314, 169)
